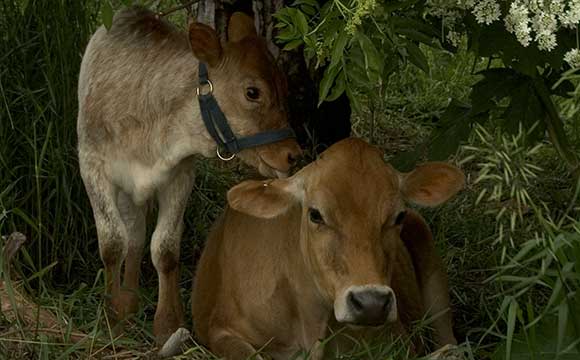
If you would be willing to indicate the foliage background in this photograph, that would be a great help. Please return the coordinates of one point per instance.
(514, 283)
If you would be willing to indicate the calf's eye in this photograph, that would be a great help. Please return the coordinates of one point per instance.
(315, 216)
(400, 218)
(252, 93)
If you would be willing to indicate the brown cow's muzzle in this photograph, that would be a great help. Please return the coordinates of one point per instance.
(278, 158)
(368, 305)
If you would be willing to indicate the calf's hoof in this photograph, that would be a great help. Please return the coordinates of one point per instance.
(173, 345)
(164, 328)
(447, 352)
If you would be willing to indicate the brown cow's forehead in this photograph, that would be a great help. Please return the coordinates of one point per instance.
(352, 179)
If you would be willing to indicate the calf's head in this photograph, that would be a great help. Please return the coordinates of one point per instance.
(352, 206)
(249, 88)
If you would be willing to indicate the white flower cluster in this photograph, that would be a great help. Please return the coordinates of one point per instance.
(572, 57)
(531, 21)
(517, 23)
(486, 11)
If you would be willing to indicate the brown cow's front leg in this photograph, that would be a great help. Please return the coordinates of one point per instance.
(165, 244)
(232, 347)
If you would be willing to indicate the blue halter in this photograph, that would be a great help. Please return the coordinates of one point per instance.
(217, 125)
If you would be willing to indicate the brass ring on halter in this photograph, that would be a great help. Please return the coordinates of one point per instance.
(223, 157)
(210, 90)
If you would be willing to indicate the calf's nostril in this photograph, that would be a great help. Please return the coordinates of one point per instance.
(291, 159)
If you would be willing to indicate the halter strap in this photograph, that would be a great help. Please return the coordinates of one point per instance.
(217, 125)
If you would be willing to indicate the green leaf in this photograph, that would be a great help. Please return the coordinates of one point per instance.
(293, 44)
(526, 108)
(326, 83)
(338, 88)
(353, 99)
(107, 14)
(372, 57)
(416, 56)
(301, 22)
(418, 36)
(496, 85)
(406, 161)
(338, 51)
(308, 10)
(288, 34)
(312, 3)
(456, 123)
(405, 24)
(511, 326)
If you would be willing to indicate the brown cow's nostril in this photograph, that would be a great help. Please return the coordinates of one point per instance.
(354, 302)
(370, 307)
(291, 159)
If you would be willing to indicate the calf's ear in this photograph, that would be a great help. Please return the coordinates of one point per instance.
(432, 183)
(263, 199)
(240, 27)
(205, 44)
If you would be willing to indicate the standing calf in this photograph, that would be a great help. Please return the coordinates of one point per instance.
(139, 125)
(330, 246)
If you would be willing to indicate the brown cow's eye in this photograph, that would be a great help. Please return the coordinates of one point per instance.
(400, 218)
(252, 93)
(315, 216)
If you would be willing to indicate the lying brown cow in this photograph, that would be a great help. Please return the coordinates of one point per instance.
(332, 245)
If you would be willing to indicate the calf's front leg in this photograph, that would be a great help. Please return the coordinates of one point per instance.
(111, 231)
(134, 217)
(165, 245)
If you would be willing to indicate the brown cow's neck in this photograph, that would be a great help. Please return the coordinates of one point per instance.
(314, 313)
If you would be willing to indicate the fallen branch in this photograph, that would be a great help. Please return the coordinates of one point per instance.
(174, 9)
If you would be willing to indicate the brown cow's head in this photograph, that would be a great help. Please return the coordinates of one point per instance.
(352, 207)
(250, 89)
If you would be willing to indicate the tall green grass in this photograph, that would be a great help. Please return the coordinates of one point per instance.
(40, 192)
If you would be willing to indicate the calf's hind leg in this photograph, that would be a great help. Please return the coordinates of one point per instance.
(431, 275)
(165, 245)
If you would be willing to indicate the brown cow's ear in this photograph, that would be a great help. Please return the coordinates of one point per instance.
(263, 199)
(205, 44)
(432, 184)
(240, 27)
